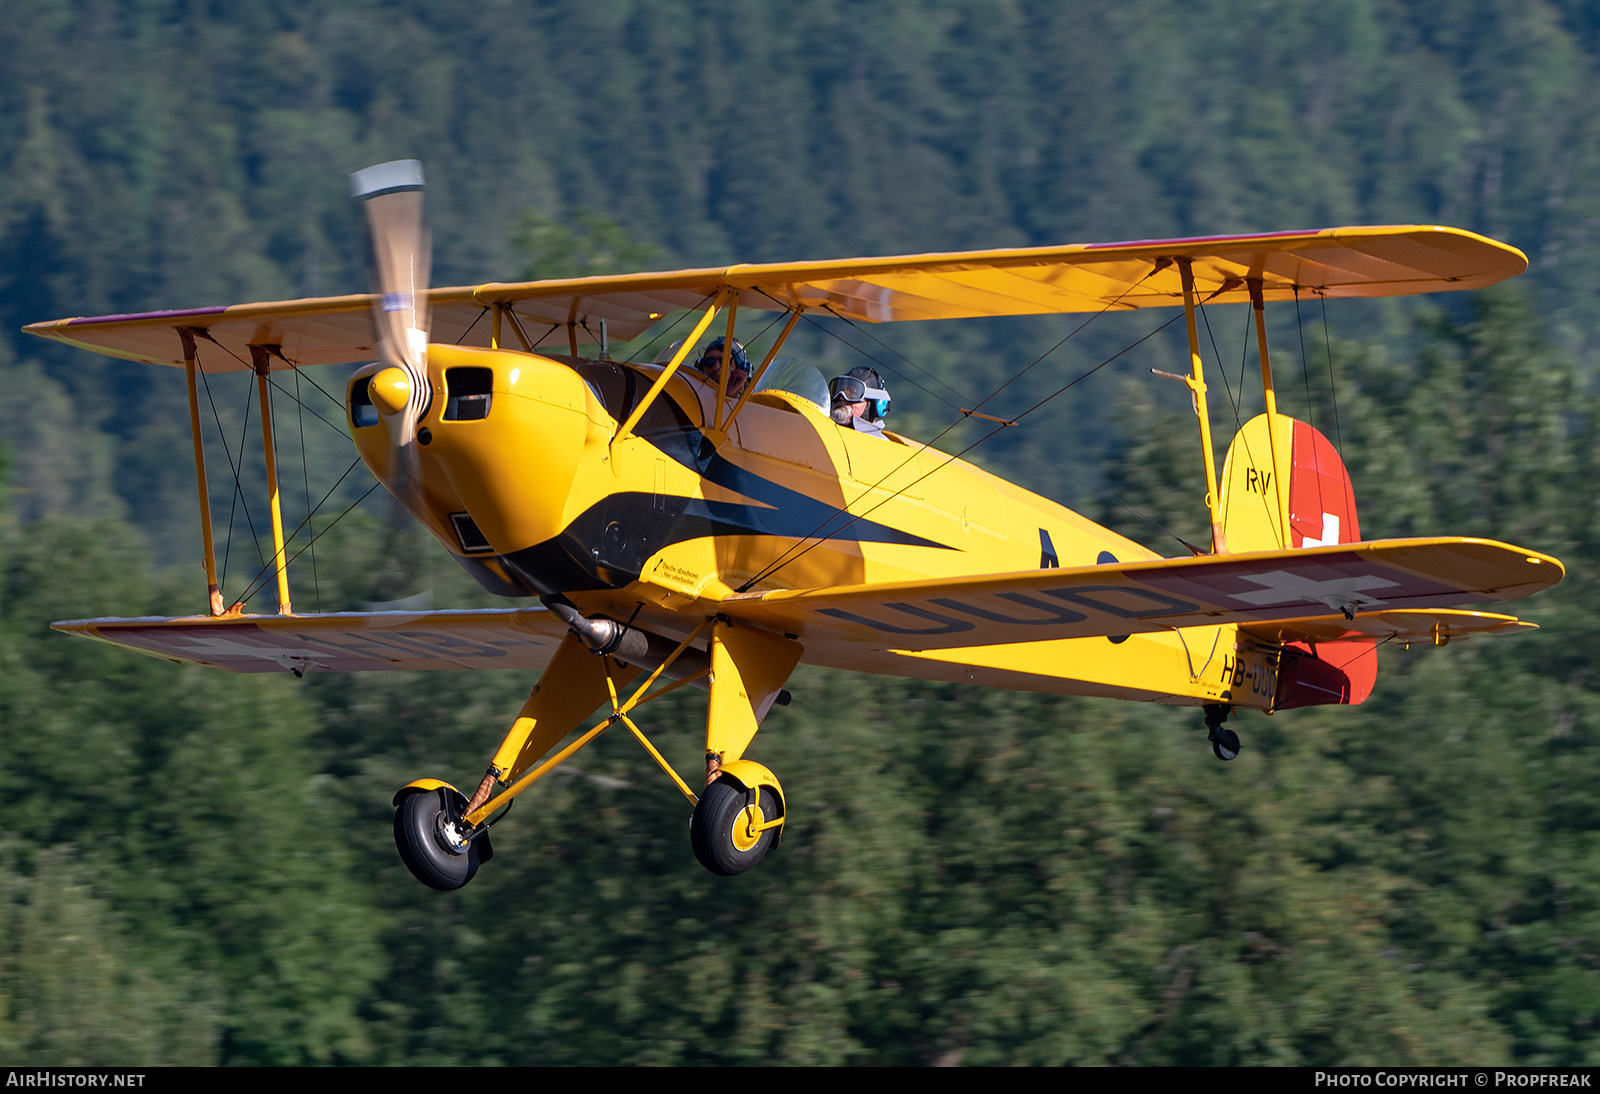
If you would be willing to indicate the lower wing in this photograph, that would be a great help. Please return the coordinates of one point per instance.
(1389, 588)
(1311, 586)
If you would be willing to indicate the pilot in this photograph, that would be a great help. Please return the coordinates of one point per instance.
(860, 400)
(710, 363)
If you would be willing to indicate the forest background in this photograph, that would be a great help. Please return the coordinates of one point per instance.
(197, 867)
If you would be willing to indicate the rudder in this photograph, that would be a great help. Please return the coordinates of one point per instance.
(1320, 501)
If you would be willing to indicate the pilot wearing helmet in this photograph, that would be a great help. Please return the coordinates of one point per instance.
(710, 363)
(860, 400)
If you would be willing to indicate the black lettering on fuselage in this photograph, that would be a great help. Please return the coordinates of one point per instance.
(1048, 559)
(1232, 670)
(1257, 481)
(1262, 674)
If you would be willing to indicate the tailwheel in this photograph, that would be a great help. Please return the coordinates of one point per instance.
(1224, 742)
(728, 831)
(428, 834)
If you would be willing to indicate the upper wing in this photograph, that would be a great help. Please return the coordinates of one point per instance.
(1123, 598)
(517, 638)
(1338, 262)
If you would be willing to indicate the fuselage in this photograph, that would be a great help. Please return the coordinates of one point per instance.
(515, 471)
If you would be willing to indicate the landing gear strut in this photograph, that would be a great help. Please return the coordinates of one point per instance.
(442, 835)
(1224, 742)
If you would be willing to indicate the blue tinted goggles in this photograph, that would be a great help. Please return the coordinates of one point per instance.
(849, 389)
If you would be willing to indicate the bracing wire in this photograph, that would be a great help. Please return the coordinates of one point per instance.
(1333, 389)
(299, 371)
(1269, 506)
(256, 583)
(811, 540)
(237, 498)
(667, 330)
(844, 510)
(1305, 363)
(259, 581)
(474, 323)
(305, 479)
(306, 406)
(960, 396)
(1103, 491)
(1305, 370)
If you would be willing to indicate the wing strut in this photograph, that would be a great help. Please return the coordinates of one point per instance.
(1196, 382)
(190, 363)
(1285, 538)
(259, 356)
(684, 349)
(717, 436)
(719, 422)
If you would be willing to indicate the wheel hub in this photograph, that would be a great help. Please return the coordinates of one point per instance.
(747, 827)
(448, 833)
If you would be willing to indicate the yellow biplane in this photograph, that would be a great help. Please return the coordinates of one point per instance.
(676, 532)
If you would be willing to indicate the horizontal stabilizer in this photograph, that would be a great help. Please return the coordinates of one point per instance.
(1436, 627)
(515, 638)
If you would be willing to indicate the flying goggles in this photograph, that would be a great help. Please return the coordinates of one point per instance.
(713, 354)
(850, 389)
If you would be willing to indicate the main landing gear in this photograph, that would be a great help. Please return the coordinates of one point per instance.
(433, 842)
(734, 826)
(738, 816)
(1224, 742)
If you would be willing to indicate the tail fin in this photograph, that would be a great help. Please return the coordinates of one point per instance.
(1301, 498)
(1307, 479)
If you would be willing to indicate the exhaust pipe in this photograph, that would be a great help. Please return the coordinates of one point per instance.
(641, 649)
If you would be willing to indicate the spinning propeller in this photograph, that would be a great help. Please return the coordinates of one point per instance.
(392, 193)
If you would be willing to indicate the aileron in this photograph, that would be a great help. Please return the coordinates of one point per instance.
(343, 642)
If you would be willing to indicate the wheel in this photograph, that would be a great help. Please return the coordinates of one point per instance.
(427, 850)
(1224, 743)
(720, 831)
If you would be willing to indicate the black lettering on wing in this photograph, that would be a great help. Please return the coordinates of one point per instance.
(1160, 603)
(1050, 613)
(946, 625)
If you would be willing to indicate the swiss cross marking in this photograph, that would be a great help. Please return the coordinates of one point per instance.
(1339, 593)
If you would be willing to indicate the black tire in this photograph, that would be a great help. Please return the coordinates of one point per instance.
(719, 830)
(416, 836)
(1224, 743)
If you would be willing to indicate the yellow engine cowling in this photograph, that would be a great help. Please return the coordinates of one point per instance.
(496, 451)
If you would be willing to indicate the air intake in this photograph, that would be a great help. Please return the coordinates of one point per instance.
(468, 534)
(471, 391)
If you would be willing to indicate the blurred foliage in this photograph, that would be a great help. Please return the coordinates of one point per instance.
(589, 244)
(197, 868)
